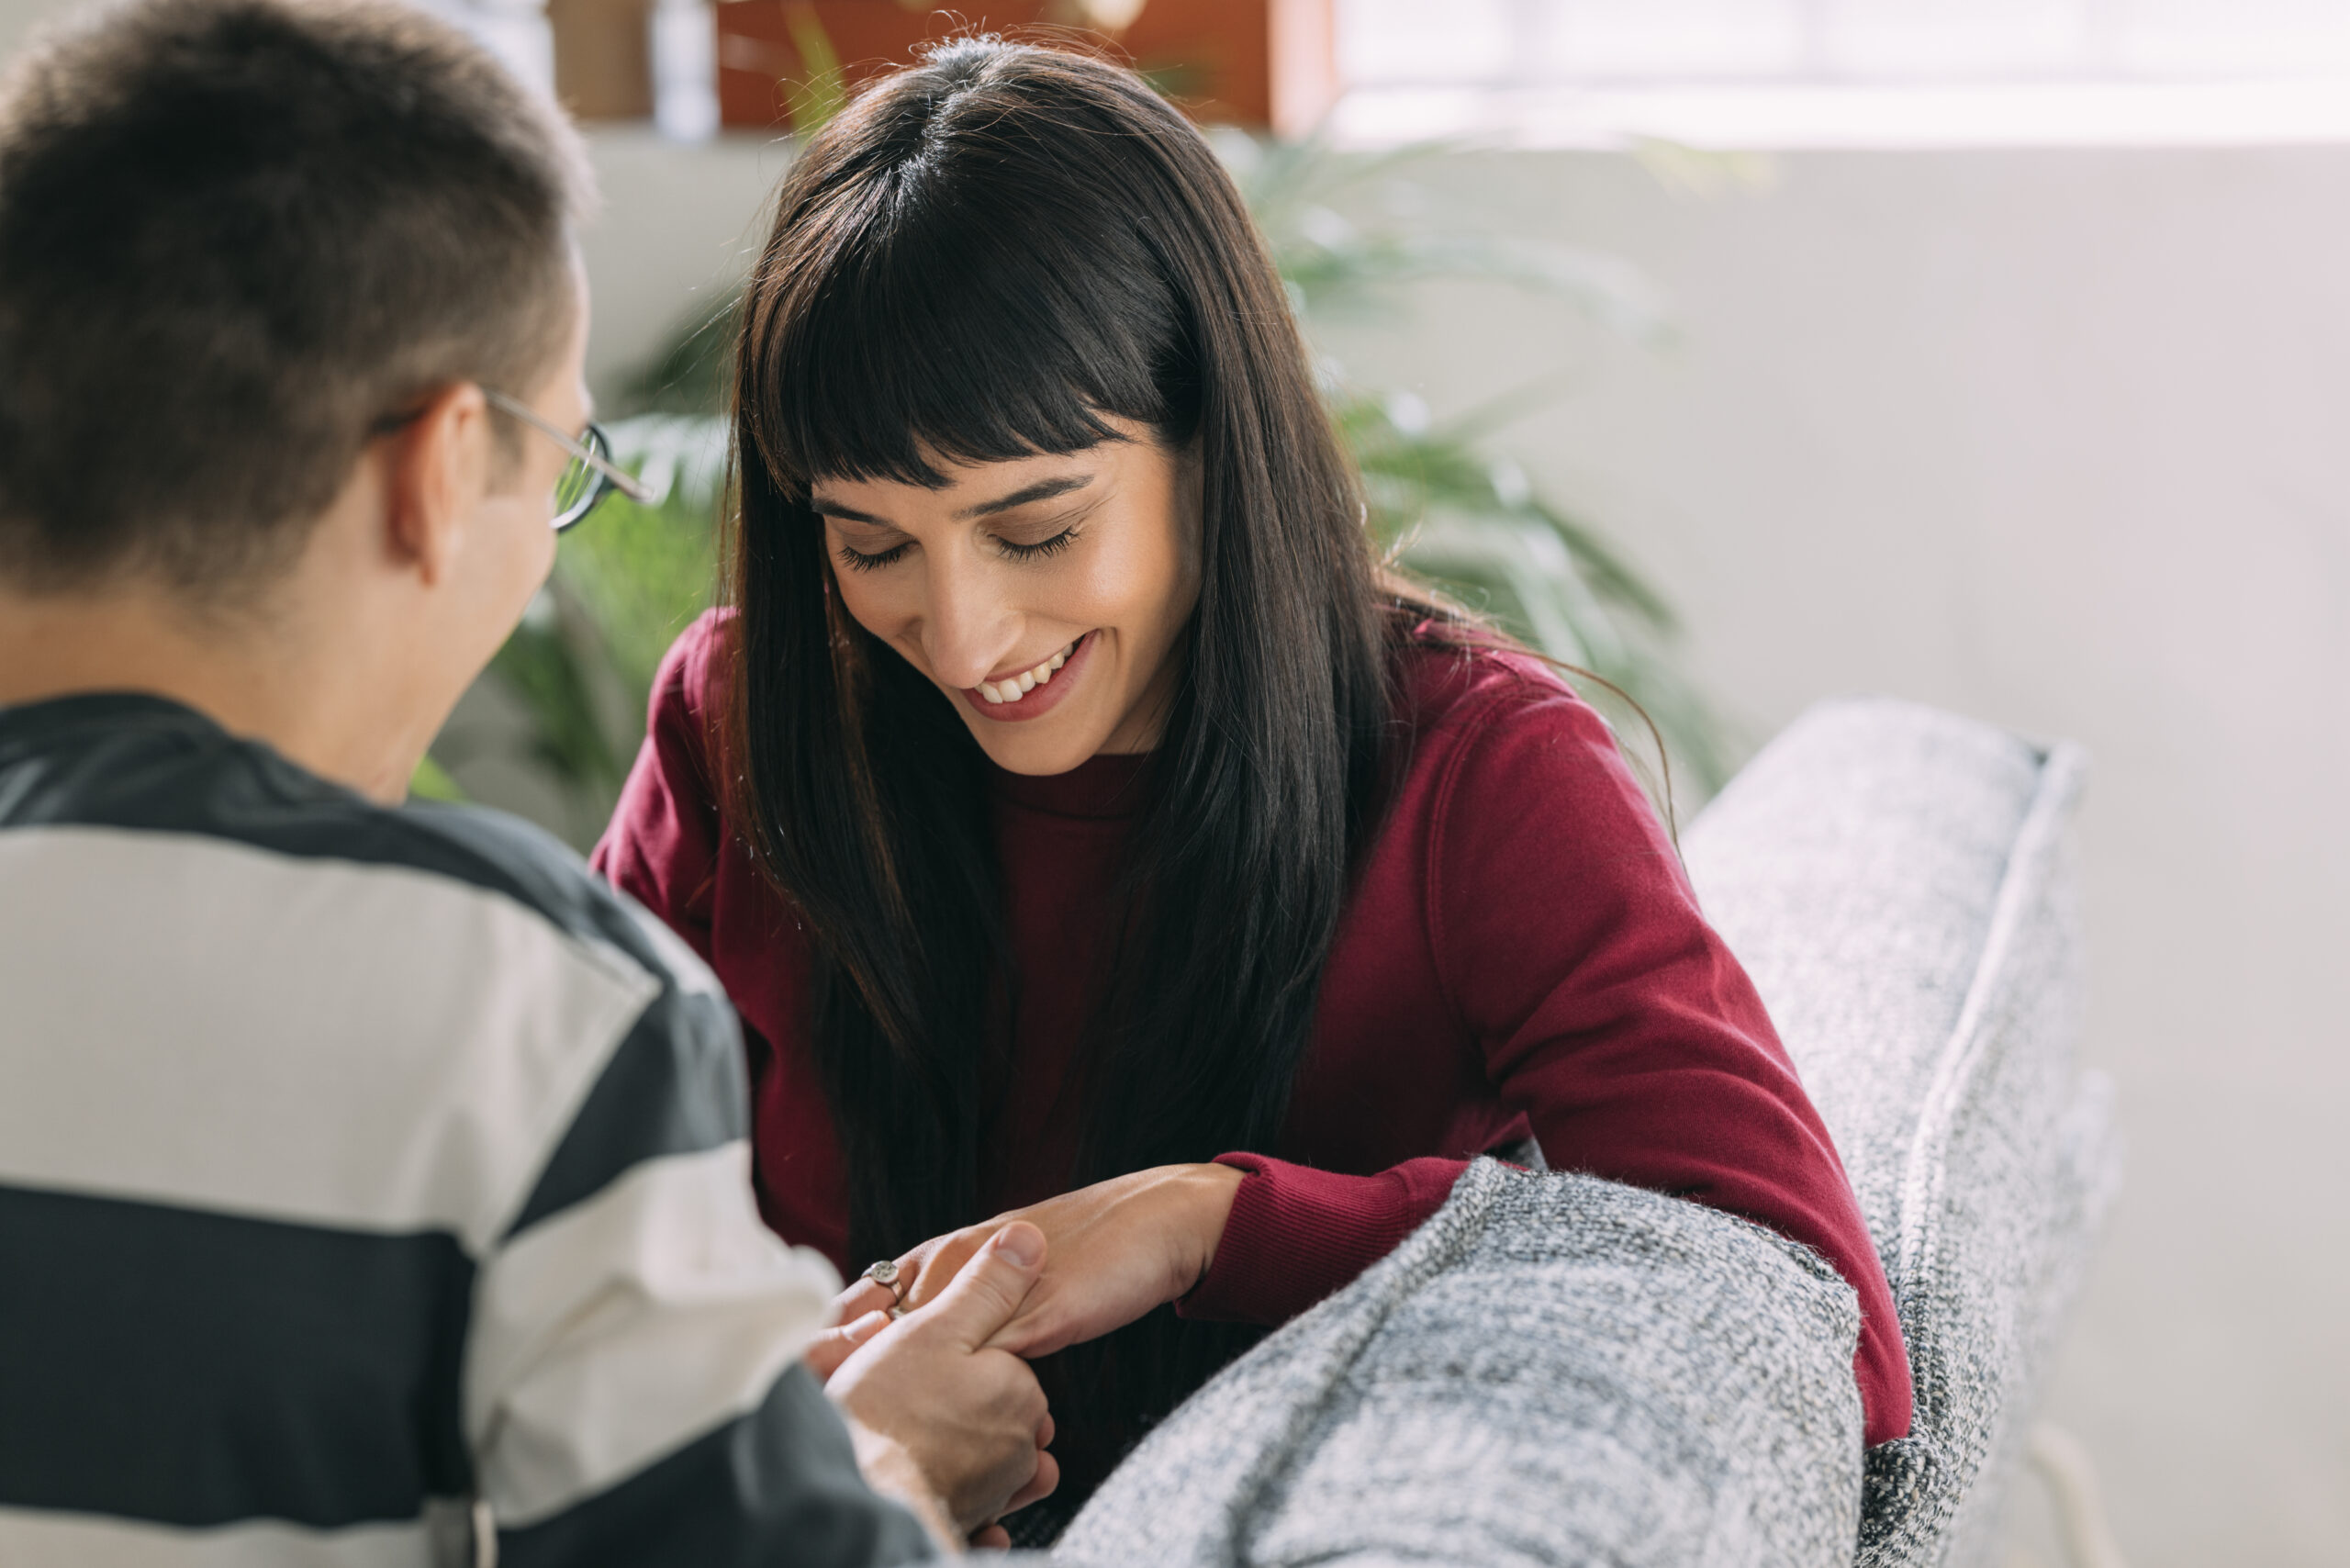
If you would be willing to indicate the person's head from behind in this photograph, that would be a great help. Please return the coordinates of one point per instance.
(267, 270)
(1034, 469)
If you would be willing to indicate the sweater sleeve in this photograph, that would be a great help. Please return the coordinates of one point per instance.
(1610, 1015)
(1296, 1234)
(661, 847)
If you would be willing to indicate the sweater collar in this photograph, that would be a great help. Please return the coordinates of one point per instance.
(1105, 787)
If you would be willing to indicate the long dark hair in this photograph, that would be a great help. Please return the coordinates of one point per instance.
(981, 259)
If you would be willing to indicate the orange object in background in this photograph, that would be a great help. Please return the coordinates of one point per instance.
(1267, 64)
(600, 67)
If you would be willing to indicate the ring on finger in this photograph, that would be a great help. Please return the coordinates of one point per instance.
(891, 1277)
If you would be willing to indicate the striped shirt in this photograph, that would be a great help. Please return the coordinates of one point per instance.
(374, 1191)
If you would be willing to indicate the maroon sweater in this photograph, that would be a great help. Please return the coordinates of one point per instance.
(1521, 954)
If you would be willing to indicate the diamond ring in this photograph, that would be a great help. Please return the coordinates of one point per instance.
(886, 1273)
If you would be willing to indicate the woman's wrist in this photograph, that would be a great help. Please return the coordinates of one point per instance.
(1216, 1187)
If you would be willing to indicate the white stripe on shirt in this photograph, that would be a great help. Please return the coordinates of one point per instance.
(364, 1046)
(37, 1538)
(625, 1327)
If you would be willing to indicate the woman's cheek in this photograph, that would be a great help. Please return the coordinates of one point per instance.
(1091, 594)
(1127, 584)
(871, 604)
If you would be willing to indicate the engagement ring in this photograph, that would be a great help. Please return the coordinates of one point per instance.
(885, 1273)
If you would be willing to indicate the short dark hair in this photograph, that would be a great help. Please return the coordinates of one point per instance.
(234, 236)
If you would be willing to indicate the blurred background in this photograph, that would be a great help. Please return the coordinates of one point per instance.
(1994, 353)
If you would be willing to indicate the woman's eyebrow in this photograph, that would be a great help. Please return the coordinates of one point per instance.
(825, 508)
(1043, 490)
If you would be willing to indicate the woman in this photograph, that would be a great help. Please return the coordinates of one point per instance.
(1085, 826)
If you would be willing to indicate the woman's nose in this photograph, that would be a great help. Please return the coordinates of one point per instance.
(969, 629)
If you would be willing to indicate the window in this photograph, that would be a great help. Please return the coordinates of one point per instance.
(1865, 72)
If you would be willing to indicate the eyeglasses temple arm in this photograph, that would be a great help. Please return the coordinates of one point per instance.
(628, 484)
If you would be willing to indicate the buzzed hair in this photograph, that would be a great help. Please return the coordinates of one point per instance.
(238, 240)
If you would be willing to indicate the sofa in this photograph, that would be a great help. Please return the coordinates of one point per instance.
(1557, 1370)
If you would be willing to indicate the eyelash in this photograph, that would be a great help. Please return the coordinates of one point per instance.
(858, 561)
(1043, 547)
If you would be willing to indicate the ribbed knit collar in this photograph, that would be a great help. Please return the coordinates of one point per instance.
(1106, 788)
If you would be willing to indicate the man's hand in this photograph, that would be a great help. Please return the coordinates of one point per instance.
(932, 1404)
(1116, 1249)
(858, 1313)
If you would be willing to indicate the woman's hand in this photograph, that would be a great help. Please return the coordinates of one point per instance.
(953, 1427)
(1113, 1251)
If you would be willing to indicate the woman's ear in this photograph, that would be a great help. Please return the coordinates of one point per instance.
(440, 472)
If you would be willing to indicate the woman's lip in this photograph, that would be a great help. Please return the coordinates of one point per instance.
(1044, 699)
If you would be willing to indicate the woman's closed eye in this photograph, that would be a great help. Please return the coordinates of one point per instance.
(861, 560)
(1041, 548)
(857, 560)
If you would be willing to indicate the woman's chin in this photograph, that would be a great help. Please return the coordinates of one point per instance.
(1048, 728)
(1054, 743)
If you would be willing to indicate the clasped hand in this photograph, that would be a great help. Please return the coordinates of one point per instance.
(1112, 1252)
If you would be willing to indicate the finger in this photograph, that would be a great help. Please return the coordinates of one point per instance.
(991, 1537)
(1052, 1319)
(1040, 1485)
(834, 1346)
(1037, 1329)
(990, 1288)
(933, 1266)
(861, 1297)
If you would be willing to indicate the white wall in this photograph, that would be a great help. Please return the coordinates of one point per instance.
(19, 17)
(2061, 439)
(681, 227)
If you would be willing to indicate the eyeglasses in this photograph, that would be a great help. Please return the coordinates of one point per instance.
(585, 480)
(589, 476)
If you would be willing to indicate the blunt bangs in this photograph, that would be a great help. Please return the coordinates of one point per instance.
(922, 324)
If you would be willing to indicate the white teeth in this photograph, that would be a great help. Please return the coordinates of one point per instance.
(1013, 688)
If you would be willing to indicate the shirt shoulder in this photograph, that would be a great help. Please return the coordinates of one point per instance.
(691, 677)
(146, 767)
(1487, 718)
(450, 948)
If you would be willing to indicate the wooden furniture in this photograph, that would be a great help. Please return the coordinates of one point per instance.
(1267, 64)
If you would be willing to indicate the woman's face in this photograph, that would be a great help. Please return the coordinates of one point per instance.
(1044, 595)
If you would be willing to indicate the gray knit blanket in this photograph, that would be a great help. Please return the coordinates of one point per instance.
(1558, 1371)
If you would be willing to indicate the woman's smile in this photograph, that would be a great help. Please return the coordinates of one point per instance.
(1031, 694)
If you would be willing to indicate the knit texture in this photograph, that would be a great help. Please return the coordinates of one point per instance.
(1902, 886)
(1558, 1371)
(1553, 1370)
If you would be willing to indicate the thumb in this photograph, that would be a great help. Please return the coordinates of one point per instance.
(992, 1286)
